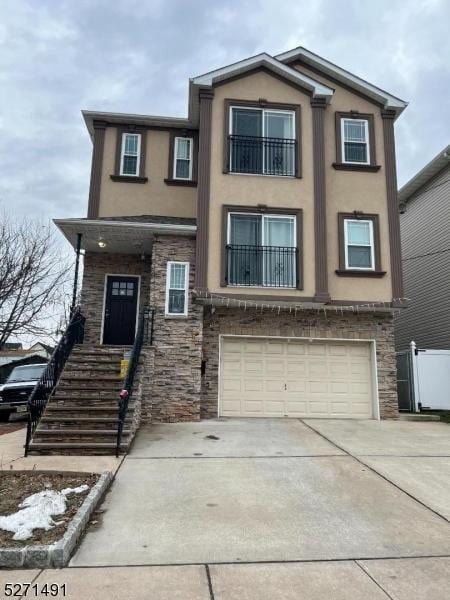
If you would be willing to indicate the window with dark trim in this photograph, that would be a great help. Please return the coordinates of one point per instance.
(131, 145)
(261, 247)
(262, 138)
(182, 158)
(355, 142)
(359, 245)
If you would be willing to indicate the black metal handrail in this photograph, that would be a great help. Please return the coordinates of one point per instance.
(145, 319)
(262, 266)
(43, 389)
(262, 155)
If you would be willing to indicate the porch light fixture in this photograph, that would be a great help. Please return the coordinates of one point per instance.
(101, 243)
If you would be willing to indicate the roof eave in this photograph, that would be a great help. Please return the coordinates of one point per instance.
(421, 178)
(389, 101)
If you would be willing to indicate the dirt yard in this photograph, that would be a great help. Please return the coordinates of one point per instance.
(16, 486)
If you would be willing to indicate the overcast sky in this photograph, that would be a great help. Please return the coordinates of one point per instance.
(57, 57)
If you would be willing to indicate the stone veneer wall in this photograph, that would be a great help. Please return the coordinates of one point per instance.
(175, 385)
(238, 321)
(96, 266)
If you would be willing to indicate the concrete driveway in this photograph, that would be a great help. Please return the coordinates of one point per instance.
(275, 495)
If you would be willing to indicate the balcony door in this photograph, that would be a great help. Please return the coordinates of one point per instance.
(261, 250)
(262, 141)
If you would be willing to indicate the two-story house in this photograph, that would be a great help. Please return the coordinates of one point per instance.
(263, 232)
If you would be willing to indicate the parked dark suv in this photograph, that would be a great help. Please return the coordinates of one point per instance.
(16, 390)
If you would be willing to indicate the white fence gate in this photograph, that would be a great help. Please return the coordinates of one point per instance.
(431, 378)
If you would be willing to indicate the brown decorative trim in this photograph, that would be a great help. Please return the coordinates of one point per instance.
(130, 129)
(357, 273)
(259, 297)
(320, 215)
(128, 178)
(262, 103)
(170, 180)
(96, 169)
(388, 117)
(351, 167)
(204, 180)
(298, 61)
(298, 300)
(343, 271)
(297, 212)
(354, 114)
(262, 69)
(181, 182)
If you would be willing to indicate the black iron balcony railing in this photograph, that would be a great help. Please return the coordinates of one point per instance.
(262, 266)
(262, 155)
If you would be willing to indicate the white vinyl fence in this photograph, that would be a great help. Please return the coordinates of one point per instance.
(430, 373)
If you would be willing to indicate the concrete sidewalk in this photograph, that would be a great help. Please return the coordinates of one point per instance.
(418, 579)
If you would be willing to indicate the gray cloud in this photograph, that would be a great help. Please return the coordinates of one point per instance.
(136, 56)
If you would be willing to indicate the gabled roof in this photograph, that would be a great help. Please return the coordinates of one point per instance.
(279, 65)
(342, 75)
(264, 60)
(424, 175)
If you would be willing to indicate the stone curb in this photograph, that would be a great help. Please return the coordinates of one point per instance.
(57, 555)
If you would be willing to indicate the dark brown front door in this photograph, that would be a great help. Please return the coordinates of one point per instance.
(119, 324)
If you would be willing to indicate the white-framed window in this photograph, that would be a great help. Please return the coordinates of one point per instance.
(130, 154)
(262, 141)
(182, 163)
(262, 250)
(177, 286)
(355, 141)
(359, 244)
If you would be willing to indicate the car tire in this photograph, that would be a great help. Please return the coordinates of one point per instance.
(4, 416)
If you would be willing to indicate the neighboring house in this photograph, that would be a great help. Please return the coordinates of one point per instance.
(263, 230)
(14, 355)
(425, 214)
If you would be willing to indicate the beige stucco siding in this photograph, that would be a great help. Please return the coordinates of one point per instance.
(285, 192)
(353, 190)
(152, 198)
(346, 190)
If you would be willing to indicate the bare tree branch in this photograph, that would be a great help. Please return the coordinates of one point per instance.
(33, 279)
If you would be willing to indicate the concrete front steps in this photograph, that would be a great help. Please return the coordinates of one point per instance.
(81, 415)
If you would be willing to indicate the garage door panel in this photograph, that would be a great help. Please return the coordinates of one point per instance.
(231, 385)
(297, 386)
(253, 385)
(273, 385)
(297, 378)
(297, 368)
(295, 349)
(316, 349)
(340, 387)
(316, 368)
(275, 367)
(253, 366)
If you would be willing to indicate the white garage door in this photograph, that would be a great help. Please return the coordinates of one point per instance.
(295, 378)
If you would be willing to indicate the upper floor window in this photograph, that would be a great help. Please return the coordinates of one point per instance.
(261, 250)
(262, 141)
(355, 141)
(130, 154)
(359, 244)
(182, 164)
(177, 285)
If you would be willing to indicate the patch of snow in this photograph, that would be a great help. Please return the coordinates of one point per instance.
(37, 511)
